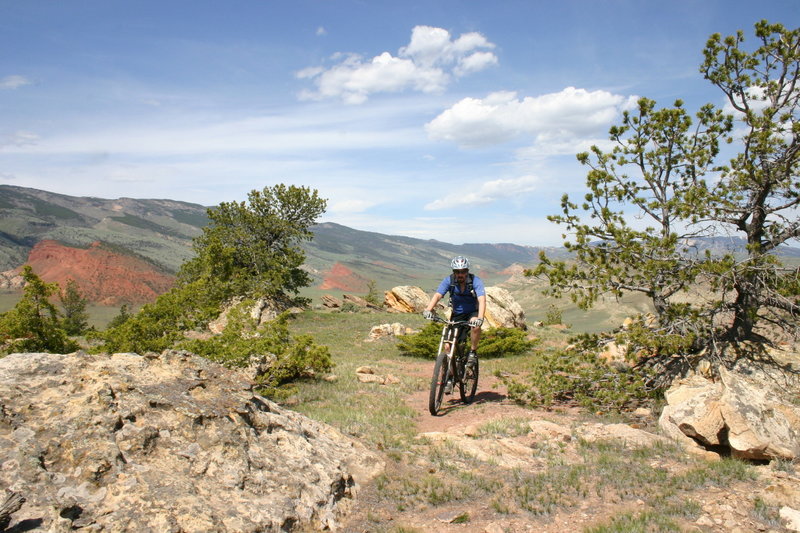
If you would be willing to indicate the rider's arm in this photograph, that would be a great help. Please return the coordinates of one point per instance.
(481, 306)
(439, 294)
(434, 300)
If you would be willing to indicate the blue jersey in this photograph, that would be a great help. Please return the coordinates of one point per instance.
(463, 302)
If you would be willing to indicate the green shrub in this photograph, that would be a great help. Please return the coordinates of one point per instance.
(288, 358)
(160, 325)
(553, 316)
(350, 307)
(577, 376)
(495, 342)
(373, 296)
(122, 317)
(34, 324)
(248, 250)
(76, 319)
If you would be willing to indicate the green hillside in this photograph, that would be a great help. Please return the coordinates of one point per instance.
(162, 231)
(159, 230)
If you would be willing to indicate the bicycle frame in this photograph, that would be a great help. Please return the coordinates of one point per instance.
(451, 330)
(450, 365)
(450, 333)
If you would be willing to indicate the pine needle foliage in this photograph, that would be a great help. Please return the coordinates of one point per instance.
(34, 324)
(284, 358)
(76, 319)
(664, 184)
(577, 377)
(248, 250)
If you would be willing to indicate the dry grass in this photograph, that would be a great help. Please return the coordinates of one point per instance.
(423, 475)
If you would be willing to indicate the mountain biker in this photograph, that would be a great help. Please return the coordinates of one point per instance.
(467, 298)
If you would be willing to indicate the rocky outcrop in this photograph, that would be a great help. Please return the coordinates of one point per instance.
(747, 412)
(383, 331)
(260, 311)
(359, 302)
(164, 443)
(11, 280)
(367, 374)
(406, 299)
(330, 302)
(502, 311)
(343, 278)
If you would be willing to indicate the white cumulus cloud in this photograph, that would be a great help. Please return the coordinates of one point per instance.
(489, 192)
(430, 61)
(14, 82)
(565, 116)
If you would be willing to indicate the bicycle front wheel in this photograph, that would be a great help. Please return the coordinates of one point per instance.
(441, 373)
(469, 382)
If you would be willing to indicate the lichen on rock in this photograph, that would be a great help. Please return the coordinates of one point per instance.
(169, 442)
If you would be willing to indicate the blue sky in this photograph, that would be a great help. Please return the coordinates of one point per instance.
(449, 120)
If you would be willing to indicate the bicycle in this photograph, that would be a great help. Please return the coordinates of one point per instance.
(452, 365)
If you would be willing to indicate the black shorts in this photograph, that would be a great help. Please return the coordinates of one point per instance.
(463, 316)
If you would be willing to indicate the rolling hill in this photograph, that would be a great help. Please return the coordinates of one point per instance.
(160, 233)
(141, 243)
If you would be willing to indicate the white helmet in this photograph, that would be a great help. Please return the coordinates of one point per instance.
(459, 263)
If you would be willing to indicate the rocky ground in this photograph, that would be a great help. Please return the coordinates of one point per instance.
(743, 506)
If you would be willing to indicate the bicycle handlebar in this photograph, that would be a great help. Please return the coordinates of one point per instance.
(450, 322)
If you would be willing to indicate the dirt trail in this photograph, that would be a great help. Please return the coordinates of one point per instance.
(491, 402)
(723, 509)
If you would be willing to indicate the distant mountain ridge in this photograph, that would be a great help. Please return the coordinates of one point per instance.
(160, 232)
(377, 255)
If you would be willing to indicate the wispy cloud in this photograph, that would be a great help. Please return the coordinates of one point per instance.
(489, 192)
(429, 63)
(291, 132)
(352, 205)
(19, 139)
(14, 82)
(562, 118)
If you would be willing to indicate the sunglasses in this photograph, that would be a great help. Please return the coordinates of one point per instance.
(464, 271)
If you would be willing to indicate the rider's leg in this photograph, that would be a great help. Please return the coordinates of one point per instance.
(474, 338)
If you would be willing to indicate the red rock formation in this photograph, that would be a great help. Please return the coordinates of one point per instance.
(103, 276)
(515, 269)
(341, 277)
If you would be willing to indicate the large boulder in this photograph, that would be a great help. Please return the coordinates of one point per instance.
(748, 412)
(406, 299)
(502, 311)
(260, 310)
(501, 308)
(164, 443)
(11, 280)
(383, 331)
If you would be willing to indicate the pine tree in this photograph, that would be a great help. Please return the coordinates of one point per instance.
(34, 323)
(665, 170)
(76, 319)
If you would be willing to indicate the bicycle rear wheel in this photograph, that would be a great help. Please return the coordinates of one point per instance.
(441, 373)
(469, 382)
